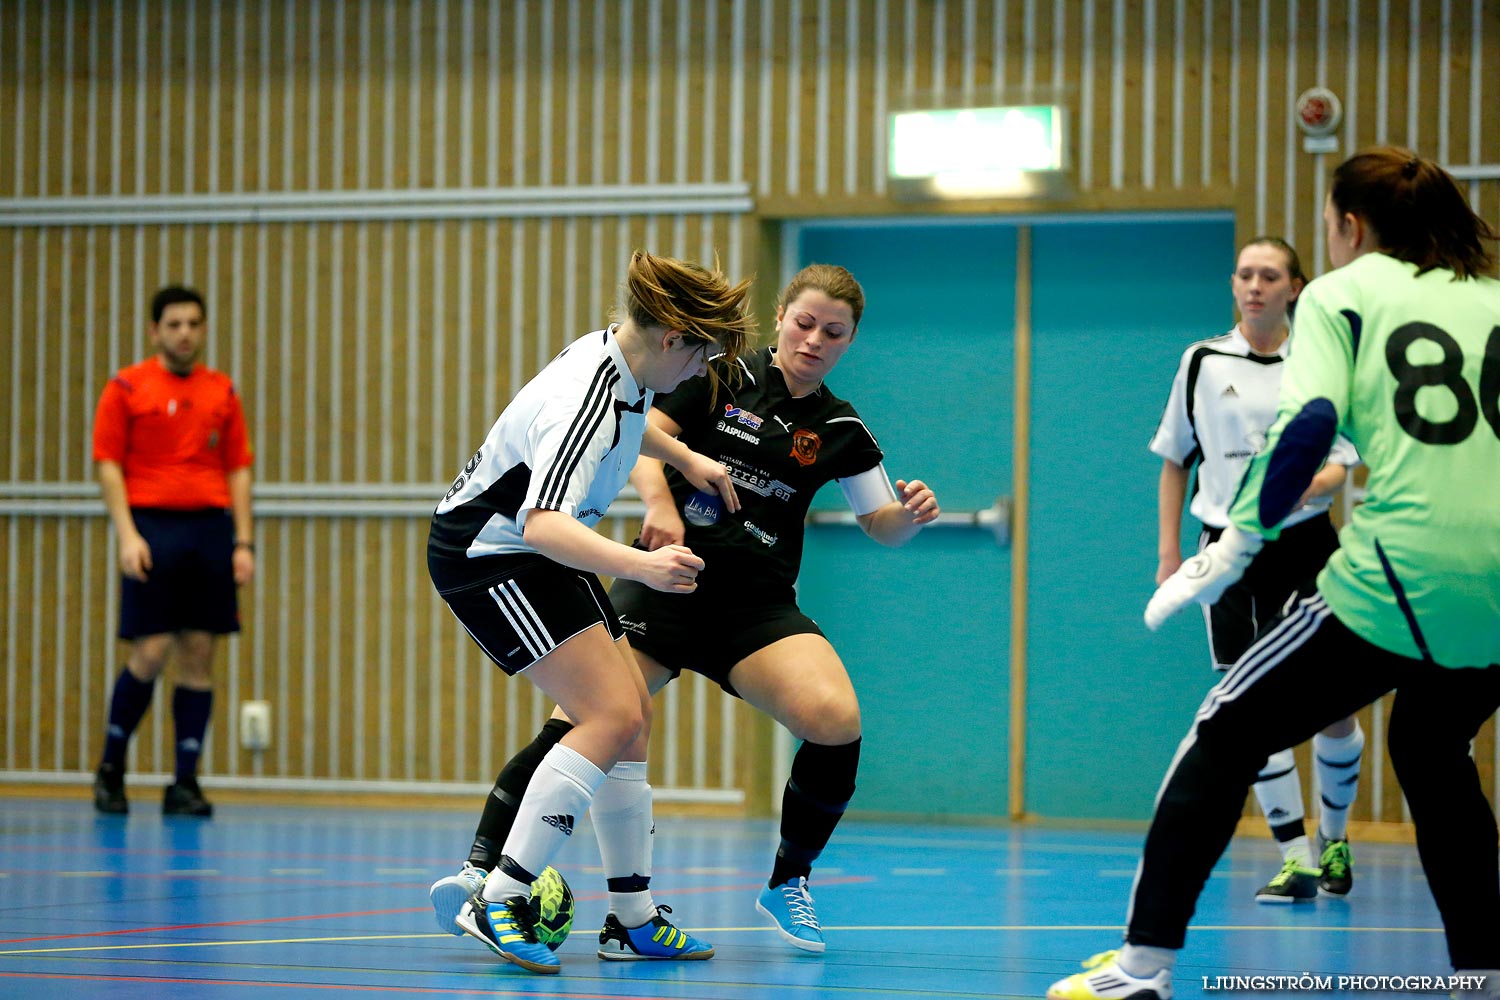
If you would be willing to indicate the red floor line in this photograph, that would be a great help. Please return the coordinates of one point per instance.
(171, 876)
(202, 853)
(224, 923)
(586, 897)
(324, 986)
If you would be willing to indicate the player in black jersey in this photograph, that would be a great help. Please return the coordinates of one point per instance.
(783, 434)
(512, 553)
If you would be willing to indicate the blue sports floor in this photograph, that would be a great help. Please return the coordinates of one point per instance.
(285, 903)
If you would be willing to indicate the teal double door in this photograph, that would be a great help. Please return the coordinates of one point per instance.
(925, 629)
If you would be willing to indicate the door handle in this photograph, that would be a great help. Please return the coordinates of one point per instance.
(995, 519)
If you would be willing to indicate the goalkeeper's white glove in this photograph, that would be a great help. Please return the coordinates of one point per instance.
(1205, 577)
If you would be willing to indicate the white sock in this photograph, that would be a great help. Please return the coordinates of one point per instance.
(1337, 763)
(1279, 792)
(1297, 849)
(624, 827)
(1144, 961)
(556, 798)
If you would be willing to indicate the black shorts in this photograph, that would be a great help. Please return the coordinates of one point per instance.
(703, 632)
(1283, 569)
(190, 585)
(529, 610)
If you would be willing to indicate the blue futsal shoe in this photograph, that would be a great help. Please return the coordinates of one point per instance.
(508, 928)
(790, 907)
(655, 940)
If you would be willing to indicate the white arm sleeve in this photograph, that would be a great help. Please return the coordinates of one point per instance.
(1343, 452)
(1174, 439)
(565, 444)
(868, 491)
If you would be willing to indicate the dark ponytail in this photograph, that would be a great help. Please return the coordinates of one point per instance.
(1416, 209)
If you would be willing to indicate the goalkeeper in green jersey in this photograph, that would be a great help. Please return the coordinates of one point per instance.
(1399, 349)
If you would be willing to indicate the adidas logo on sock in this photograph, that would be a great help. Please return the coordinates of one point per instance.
(1277, 813)
(562, 822)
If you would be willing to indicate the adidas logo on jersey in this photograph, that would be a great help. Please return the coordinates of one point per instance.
(562, 822)
(1229, 393)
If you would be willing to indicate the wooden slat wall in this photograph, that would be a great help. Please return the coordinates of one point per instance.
(378, 352)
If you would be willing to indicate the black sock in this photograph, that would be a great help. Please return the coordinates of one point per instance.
(127, 706)
(190, 713)
(505, 798)
(817, 793)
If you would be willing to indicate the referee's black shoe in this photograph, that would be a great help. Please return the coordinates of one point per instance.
(109, 790)
(185, 798)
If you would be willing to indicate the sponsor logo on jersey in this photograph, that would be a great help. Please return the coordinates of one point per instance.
(750, 420)
(562, 821)
(734, 431)
(590, 512)
(463, 477)
(764, 535)
(805, 445)
(632, 625)
(761, 485)
(1257, 443)
(702, 509)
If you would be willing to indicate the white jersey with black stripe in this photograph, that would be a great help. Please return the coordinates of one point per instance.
(566, 442)
(1222, 403)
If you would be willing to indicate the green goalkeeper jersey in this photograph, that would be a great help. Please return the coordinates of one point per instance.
(1408, 368)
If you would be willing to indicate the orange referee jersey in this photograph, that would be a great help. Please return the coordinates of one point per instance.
(175, 436)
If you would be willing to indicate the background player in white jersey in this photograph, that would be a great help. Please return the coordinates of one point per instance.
(783, 434)
(513, 553)
(1222, 402)
(1399, 348)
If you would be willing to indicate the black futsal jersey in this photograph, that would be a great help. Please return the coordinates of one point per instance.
(780, 451)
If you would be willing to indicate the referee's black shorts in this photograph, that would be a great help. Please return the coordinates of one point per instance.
(190, 585)
(529, 608)
(1285, 567)
(706, 632)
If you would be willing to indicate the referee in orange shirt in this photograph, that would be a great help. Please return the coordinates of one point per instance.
(173, 458)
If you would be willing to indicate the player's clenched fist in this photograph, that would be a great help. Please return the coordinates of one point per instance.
(672, 569)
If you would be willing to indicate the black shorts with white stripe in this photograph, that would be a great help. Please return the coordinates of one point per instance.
(1285, 571)
(536, 606)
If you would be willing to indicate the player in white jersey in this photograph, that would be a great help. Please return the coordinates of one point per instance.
(1222, 403)
(1398, 348)
(513, 554)
(784, 435)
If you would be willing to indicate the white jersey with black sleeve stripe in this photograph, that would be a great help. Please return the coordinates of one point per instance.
(1222, 403)
(566, 442)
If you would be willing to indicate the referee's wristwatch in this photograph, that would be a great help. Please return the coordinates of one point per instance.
(243, 544)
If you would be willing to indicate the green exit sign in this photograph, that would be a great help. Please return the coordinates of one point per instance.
(977, 152)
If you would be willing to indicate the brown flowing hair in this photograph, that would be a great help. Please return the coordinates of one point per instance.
(679, 295)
